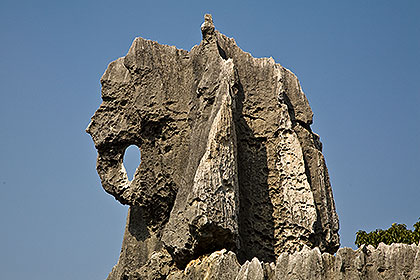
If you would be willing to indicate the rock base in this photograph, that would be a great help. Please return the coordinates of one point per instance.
(396, 261)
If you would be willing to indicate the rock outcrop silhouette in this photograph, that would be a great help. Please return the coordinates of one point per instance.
(230, 168)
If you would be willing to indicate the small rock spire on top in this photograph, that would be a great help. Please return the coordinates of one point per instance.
(207, 28)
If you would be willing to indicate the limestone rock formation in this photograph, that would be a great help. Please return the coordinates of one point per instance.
(396, 261)
(230, 168)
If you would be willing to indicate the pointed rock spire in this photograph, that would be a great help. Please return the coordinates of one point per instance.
(207, 28)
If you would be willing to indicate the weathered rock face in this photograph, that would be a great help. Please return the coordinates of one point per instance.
(229, 160)
(397, 261)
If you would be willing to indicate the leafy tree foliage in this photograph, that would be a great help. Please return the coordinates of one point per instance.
(397, 233)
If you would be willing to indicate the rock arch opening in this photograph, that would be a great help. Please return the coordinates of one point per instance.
(132, 160)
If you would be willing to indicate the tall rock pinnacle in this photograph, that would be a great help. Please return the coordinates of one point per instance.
(228, 158)
(207, 28)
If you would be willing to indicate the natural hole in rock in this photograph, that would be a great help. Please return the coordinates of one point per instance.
(132, 159)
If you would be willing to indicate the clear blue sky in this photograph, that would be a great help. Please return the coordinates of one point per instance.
(358, 62)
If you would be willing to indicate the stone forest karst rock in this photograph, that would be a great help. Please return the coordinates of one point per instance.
(231, 172)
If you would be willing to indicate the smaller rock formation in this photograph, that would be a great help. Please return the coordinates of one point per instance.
(396, 261)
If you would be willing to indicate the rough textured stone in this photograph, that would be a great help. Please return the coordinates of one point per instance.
(396, 261)
(228, 161)
(251, 271)
(220, 265)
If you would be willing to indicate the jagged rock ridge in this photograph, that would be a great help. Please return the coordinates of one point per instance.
(396, 261)
(229, 160)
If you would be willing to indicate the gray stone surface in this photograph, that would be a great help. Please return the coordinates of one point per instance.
(396, 261)
(251, 271)
(220, 265)
(228, 162)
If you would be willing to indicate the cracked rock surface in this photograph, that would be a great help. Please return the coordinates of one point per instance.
(231, 172)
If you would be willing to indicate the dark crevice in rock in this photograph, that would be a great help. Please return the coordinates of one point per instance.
(136, 224)
(222, 53)
(256, 227)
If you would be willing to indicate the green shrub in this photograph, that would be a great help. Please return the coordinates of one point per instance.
(397, 233)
